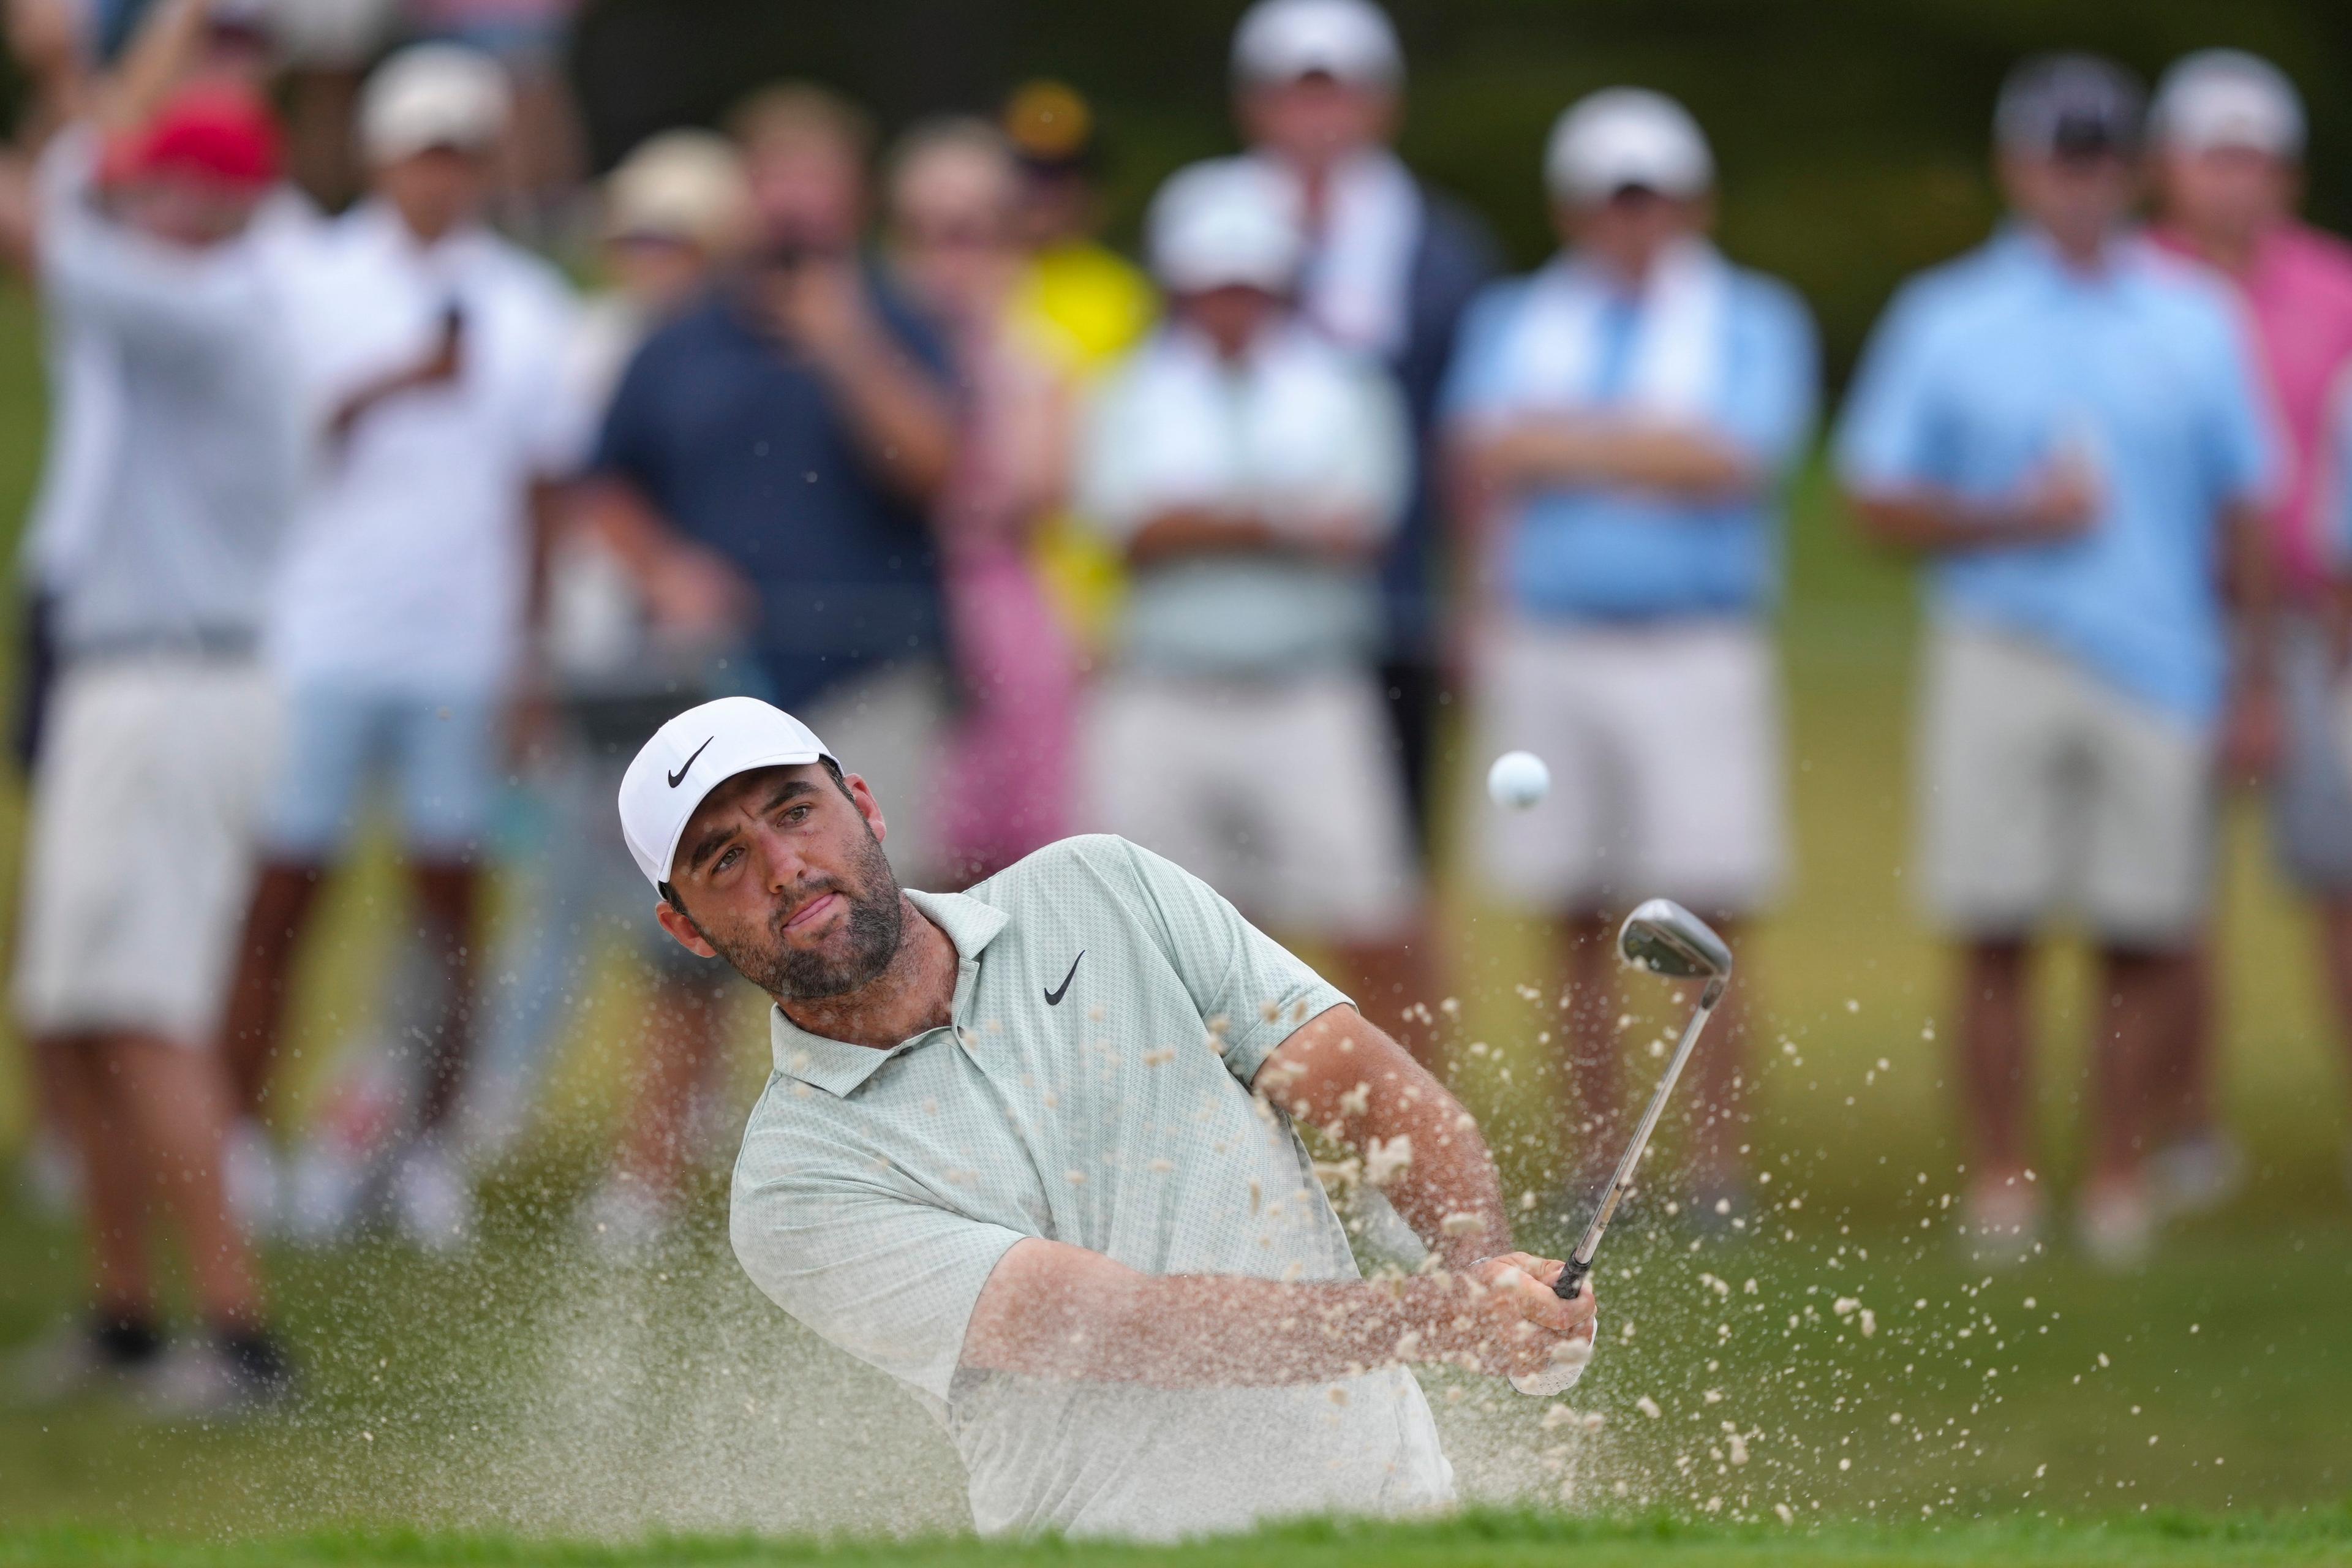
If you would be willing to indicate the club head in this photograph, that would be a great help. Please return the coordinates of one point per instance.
(1665, 938)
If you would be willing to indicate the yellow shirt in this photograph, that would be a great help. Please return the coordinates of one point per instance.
(1083, 306)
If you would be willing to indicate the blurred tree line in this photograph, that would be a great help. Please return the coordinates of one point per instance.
(1852, 133)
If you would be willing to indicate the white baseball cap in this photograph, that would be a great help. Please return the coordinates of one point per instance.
(1225, 222)
(2228, 98)
(1626, 136)
(693, 754)
(433, 95)
(1349, 40)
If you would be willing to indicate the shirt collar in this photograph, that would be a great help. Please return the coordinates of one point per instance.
(2028, 244)
(837, 1067)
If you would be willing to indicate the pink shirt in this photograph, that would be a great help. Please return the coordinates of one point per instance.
(2299, 288)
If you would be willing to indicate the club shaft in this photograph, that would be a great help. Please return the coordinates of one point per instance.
(1580, 1262)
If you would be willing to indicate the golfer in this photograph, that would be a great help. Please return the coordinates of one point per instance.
(1030, 1150)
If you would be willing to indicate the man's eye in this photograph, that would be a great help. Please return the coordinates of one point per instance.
(797, 813)
(727, 860)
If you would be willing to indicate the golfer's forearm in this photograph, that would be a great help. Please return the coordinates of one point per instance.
(1230, 1332)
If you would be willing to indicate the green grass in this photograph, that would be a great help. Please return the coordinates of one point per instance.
(1478, 1540)
(523, 1394)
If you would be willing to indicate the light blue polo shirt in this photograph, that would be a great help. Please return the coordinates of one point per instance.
(1595, 552)
(1985, 368)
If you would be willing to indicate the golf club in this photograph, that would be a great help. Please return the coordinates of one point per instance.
(1663, 938)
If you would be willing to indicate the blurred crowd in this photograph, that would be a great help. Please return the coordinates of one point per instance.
(352, 495)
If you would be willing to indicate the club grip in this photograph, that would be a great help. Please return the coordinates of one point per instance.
(1571, 1283)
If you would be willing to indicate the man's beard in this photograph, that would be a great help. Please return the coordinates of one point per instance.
(878, 918)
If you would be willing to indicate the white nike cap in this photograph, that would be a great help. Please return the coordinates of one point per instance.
(2227, 97)
(1626, 136)
(1349, 41)
(693, 754)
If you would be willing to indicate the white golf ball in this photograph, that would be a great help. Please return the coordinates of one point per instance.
(1519, 779)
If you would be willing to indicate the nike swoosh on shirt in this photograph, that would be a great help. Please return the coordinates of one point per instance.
(678, 777)
(1054, 997)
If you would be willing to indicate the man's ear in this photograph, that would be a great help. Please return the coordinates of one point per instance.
(681, 930)
(867, 807)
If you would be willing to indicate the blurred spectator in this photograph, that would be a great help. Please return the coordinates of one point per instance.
(543, 157)
(1080, 303)
(326, 47)
(145, 804)
(2229, 134)
(765, 471)
(1625, 419)
(2071, 426)
(1391, 266)
(434, 357)
(675, 210)
(952, 196)
(1253, 471)
(769, 456)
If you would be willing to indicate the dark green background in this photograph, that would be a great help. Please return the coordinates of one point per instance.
(1851, 133)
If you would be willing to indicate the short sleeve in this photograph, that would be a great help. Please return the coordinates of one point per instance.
(885, 1276)
(1473, 385)
(1774, 385)
(2243, 437)
(1885, 437)
(1233, 971)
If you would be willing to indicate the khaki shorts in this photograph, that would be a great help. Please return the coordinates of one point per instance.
(141, 851)
(2044, 791)
(1665, 747)
(1283, 795)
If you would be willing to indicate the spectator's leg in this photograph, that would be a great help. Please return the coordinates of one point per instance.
(283, 898)
(2336, 958)
(447, 895)
(683, 1034)
(1720, 1067)
(2145, 992)
(173, 1102)
(114, 1179)
(1995, 1045)
(1593, 1081)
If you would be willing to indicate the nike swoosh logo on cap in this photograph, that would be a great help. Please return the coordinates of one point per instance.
(678, 777)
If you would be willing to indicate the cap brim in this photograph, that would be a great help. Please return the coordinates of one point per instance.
(792, 758)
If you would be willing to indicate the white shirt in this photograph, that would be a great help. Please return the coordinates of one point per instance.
(173, 478)
(1110, 1015)
(1298, 433)
(409, 562)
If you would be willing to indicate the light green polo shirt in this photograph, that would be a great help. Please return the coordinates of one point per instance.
(1110, 1012)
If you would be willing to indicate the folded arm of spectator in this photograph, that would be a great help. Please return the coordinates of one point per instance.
(2059, 502)
(1181, 532)
(903, 417)
(1682, 462)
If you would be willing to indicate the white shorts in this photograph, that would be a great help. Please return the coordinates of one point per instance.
(888, 726)
(1283, 795)
(141, 851)
(1665, 747)
(2045, 791)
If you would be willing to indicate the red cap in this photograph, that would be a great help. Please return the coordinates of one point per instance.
(221, 133)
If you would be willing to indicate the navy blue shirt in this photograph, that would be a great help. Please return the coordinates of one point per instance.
(738, 441)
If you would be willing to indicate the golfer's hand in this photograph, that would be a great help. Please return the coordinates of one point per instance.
(1519, 1319)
